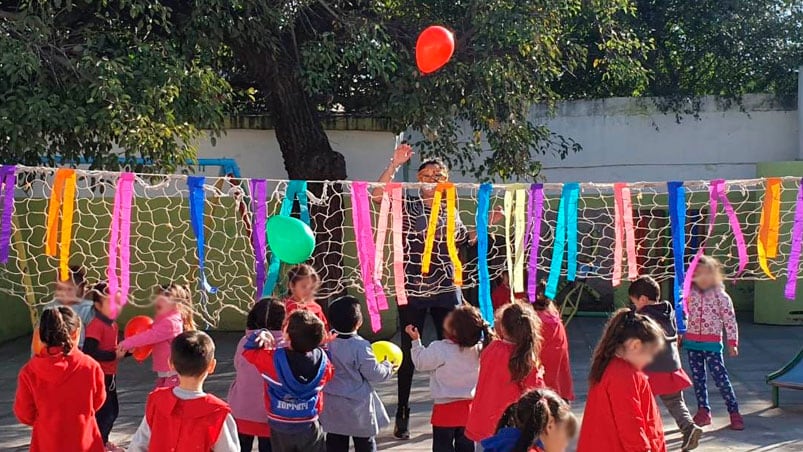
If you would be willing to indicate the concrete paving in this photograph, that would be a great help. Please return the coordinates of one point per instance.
(763, 349)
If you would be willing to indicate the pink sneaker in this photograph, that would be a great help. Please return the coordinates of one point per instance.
(737, 422)
(703, 417)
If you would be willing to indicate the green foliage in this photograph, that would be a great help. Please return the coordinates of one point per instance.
(97, 80)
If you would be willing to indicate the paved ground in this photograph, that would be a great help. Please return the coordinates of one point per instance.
(763, 349)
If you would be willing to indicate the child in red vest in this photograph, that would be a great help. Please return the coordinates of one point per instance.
(666, 375)
(621, 414)
(508, 368)
(248, 388)
(101, 344)
(554, 347)
(186, 418)
(173, 307)
(540, 421)
(60, 389)
(296, 376)
(302, 284)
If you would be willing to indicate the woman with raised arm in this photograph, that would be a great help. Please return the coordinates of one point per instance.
(434, 293)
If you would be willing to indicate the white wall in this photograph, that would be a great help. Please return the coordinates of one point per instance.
(623, 140)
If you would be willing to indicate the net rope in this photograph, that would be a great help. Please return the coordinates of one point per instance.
(163, 246)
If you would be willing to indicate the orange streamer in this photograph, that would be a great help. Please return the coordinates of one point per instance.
(770, 222)
(62, 199)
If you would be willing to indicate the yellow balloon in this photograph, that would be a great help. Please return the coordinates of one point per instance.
(387, 351)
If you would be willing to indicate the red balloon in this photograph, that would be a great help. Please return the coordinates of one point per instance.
(138, 325)
(434, 48)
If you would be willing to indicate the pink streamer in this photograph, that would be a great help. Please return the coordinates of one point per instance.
(361, 214)
(717, 192)
(391, 201)
(790, 291)
(623, 219)
(120, 243)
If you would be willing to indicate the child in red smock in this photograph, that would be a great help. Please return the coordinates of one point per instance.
(508, 368)
(302, 284)
(60, 389)
(667, 378)
(621, 414)
(554, 347)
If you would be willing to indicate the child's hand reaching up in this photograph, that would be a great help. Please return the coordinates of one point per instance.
(412, 331)
(265, 339)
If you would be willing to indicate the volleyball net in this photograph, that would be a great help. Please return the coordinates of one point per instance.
(193, 228)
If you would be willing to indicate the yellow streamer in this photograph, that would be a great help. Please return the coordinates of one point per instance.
(429, 243)
(769, 225)
(62, 199)
(515, 213)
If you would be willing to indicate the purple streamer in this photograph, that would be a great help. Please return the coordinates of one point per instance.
(797, 238)
(535, 210)
(8, 173)
(259, 211)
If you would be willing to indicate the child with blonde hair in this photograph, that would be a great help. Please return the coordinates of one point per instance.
(173, 309)
(710, 310)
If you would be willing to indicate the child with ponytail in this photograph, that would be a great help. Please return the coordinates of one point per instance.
(621, 414)
(454, 364)
(173, 308)
(509, 366)
(541, 421)
(60, 389)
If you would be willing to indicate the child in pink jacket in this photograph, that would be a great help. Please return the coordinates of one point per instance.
(248, 389)
(173, 308)
(710, 311)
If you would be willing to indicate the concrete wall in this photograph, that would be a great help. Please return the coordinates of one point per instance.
(623, 140)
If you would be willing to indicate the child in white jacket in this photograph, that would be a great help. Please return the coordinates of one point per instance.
(454, 365)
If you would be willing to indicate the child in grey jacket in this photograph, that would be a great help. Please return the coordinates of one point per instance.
(353, 409)
(454, 365)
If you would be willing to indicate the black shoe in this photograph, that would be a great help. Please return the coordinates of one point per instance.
(691, 438)
(402, 428)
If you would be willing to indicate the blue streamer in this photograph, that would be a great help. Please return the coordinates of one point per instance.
(483, 207)
(197, 196)
(296, 189)
(571, 228)
(566, 227)
(677, 219)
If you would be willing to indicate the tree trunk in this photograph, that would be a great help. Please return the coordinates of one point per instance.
(309, 156)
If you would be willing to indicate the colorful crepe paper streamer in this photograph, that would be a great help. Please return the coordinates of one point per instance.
(565, 239)
(790, 291)
(120, 243)
(717, 193)
(391, 205)
(769, 225)
(677, 223)
(259, 190)
(296, 190)
(449, 189)
(483, 206)
(375, 298)
(62, 199)
(8, 177)
(623, 232)
(515, 204)
(535, 212)
(197, 201)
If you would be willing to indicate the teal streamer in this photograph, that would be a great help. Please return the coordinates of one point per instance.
(483, 207)
(565, 231)
(296, 189)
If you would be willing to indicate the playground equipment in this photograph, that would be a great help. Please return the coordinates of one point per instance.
(789, 376)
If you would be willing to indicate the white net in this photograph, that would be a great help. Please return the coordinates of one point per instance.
(163, 246)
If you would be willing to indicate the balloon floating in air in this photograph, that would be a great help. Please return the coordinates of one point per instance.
(434, 48)
(290, 239)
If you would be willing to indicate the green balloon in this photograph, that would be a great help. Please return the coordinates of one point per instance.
(290, 239)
